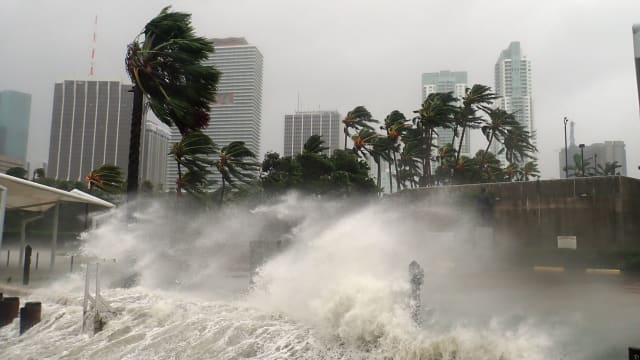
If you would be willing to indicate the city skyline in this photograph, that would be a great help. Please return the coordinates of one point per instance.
(365, 62)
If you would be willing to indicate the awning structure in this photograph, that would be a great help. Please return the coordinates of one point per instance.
(31, 196)
(27, 195)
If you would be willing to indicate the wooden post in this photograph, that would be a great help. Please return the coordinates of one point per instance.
(30, 315)
(9, 308)
(37, 258)
(27, 265)
(8, 256)
(71, 266)
(54, 236)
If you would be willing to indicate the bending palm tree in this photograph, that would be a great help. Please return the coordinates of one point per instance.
(194, 152)
(232, 165)
(499, 124)
(107, 178)
(165, 64)
(395, 124)
(356, 119)
(314, 145)
(478, 97)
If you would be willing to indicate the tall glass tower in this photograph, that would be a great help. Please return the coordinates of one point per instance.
(15, 112)
(513, 86)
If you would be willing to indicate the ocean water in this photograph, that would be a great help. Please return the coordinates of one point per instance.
(339, 290)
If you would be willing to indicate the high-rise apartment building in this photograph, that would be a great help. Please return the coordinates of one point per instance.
(298, 127)
(513, 86)
(236, 114)
(15, 112)
(90, 126)
(441, 82)
(636, 52)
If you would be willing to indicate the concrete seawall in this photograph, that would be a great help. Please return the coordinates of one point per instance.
(602, 212)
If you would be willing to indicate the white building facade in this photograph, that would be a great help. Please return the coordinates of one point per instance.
(298, 127)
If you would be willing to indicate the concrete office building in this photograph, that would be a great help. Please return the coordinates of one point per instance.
(15, 113)
(513, 86)
(90, 126)
(298, 127)
(447, 81)
(236, 115)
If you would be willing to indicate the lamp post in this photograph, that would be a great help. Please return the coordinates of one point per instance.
(566, 156)
(582, 158)
(595, 163)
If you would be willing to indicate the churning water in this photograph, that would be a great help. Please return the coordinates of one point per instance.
(336, 289)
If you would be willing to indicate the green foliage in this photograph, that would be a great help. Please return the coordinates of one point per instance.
(18, 172)
(166, 62)
(107, 178)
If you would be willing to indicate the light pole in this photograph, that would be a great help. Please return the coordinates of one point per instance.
(582, 158)
(566, 156)
(595, 163)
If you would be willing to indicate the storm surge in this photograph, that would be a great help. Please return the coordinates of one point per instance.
(337, 289)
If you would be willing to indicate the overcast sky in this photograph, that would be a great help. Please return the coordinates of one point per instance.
(341, 53)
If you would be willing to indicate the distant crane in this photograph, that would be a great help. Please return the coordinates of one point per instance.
(93, 48)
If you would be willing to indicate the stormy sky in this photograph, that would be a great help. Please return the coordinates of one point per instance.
(341, 53)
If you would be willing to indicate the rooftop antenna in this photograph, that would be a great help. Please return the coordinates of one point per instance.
(298, 107)
(93, 47)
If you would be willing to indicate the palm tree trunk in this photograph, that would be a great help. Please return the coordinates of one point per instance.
(345, 138)
(395, 164)
(379, 180)
(390, 179)
(222, 192)
(179, 185)
(460, 144)
(134, 144)
(487, 149)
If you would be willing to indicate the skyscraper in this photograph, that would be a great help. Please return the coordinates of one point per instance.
(90, 126)
(447, 81)
(513, 86)
(15, 112)
(596, 158)
(236, 115)
(636, 53)
(298, 127)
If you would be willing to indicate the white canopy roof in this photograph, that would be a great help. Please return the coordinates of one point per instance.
(28, 195)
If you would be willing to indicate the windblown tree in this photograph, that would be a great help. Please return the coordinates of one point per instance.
(477, 98)
(412, 155)
(395, 124)
(18, 172)
(497, 128)
(165, 64)
(107, 178)
(235, 163)
(314, 145)
(357, 119)
(193, 152)
(437, 111)
(517, 145)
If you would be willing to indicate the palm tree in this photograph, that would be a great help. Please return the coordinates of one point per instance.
(412, 155)
(500, 121)
(395, 124)
(356, 119)
(609, 168)
(314, 145)
(512, 172)
(18, 172)
(437, 111)
(478, 97)
(233, 165)
(193, 151)
(165, 64)
(38, 173)
(107, 178)
(517, 144)
(529, 169)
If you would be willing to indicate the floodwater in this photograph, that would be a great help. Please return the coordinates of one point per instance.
(339, 289)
